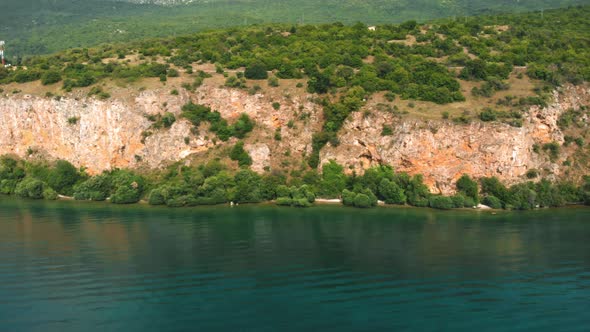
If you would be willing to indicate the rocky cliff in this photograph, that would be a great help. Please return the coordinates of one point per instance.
(442, 151)
(113, 133)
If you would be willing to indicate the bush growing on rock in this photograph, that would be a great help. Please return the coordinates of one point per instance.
(240, 155)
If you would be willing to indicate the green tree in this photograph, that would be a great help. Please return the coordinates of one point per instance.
(391, 193)
(63, 177)
(50, 77)
(240, 155)
(256, 71)
(333, 180)
(468, 187)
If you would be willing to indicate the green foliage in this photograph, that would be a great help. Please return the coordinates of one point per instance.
(391, 192)
(348, 197)
(493, 187)
(522, 197)
(168, 120)
(468, 187)
(256, 71)
(532, 173)
(96, 188)
(441, 202)
(127, 187)
(12, 170)
(199, 113)
(50, 77)
(235, 82)
(240, 155)
(243, 126)
(362, 201)
(488, 114)
(63, 177)
(417, 192)
(492, 201)
(333, 180)
(330, 55)
(50, 194)
(273, 81)
(302, 196)
(386, 131)
(459, 201)
(248, 187)
(469, 202)
(553, 148)
(211, 184)
(569, 118)
(30, 188)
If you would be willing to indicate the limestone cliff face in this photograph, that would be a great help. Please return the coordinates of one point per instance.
(111, 133)
(442, 151)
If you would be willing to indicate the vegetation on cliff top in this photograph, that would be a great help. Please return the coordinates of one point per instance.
(42, 26)
(409, 59)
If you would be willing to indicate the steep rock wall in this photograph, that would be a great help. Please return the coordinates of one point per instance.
(108, 134)
(442, 151)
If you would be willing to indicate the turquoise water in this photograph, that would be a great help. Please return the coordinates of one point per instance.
(68, 266)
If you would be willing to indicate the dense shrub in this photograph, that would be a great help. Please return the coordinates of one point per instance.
(362, 201)
(302, 196)
(96, 188)
(458, 201)
(348, 197)
(30, 188)
(50, 77)
(240, 155)
(256, 71)
(127, 187)
(391, 192)
(157, 197)
(63, 177)
(333, 180)
(441, 202)
(493, 202)
(468, 187)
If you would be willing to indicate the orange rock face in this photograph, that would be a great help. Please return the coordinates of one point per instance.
(116, 133)
(442, 151)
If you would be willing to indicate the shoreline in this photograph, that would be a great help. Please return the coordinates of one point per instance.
(317, 202)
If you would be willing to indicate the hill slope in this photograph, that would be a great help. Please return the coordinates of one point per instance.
(45, 26)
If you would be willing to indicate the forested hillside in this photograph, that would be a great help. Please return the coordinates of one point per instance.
(45, 26)
(307, 83)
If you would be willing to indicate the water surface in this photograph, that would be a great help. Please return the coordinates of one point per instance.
(67, 266)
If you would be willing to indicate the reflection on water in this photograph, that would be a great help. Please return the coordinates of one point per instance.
(69, 266)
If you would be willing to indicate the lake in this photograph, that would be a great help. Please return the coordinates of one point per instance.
(68, 266)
